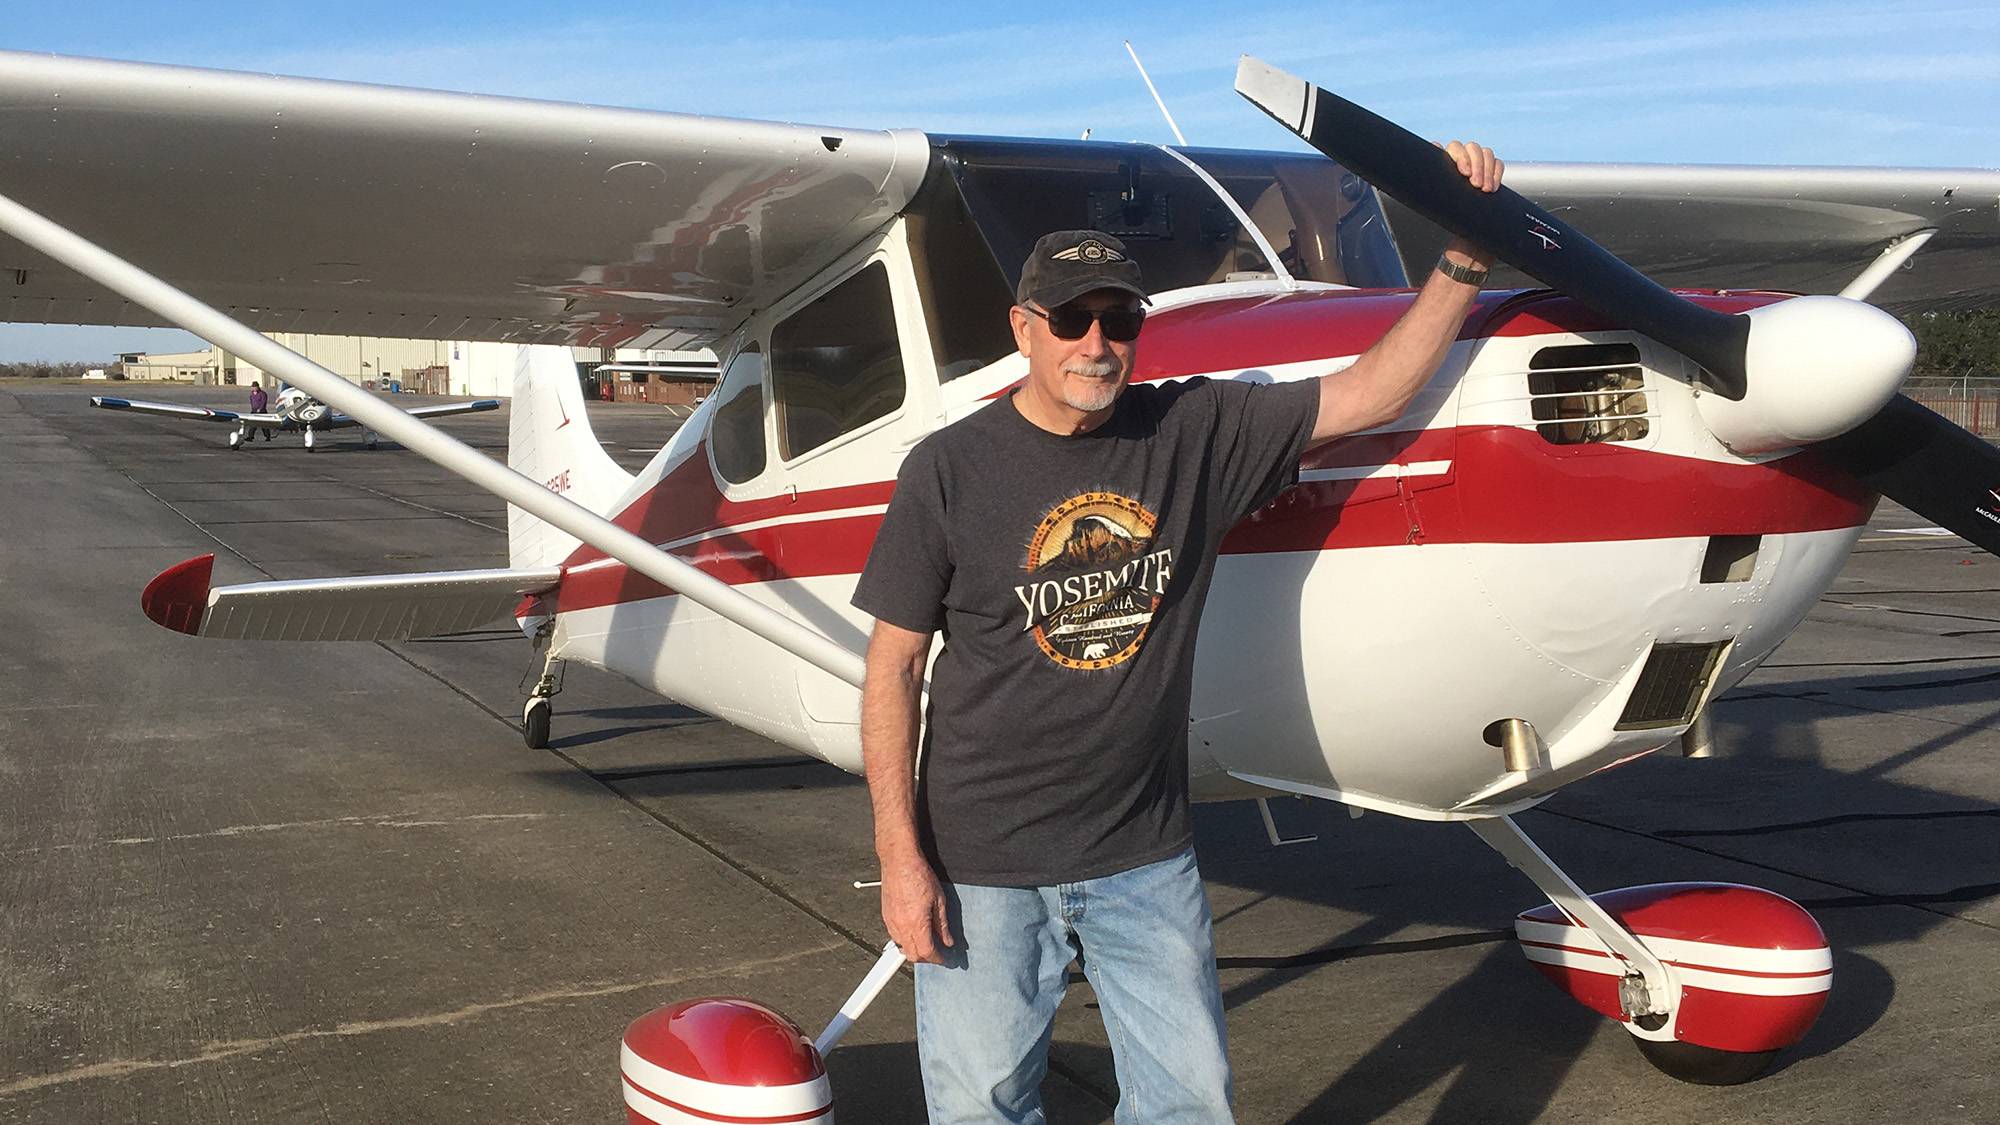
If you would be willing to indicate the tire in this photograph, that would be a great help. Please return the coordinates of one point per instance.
(535, 723)
(1704, 1066)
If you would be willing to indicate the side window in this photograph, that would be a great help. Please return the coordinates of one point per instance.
(737, 436)
(836, 364)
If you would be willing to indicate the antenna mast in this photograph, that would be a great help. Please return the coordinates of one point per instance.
(1156, 94)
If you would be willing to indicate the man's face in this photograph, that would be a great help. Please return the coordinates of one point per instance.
(1087, 373)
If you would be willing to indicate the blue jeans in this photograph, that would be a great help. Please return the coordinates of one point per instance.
(984, 1018)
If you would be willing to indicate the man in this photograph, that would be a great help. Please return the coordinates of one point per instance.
(1062, 539)
(258, 401)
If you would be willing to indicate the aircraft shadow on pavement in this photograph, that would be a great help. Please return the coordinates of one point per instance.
(876, 1083)
(1888, 868)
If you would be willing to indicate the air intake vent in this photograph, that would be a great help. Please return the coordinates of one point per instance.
(1672, 686)
(1588, 392)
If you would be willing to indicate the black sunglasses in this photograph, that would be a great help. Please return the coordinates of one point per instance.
(1072, 322)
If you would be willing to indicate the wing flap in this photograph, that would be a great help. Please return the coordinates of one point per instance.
(378, 607)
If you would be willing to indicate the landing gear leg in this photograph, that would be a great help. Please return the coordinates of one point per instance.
(1647, 990)
(1649, 993)
(309, 438)
(535, 716)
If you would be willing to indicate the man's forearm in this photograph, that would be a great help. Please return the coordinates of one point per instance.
(913, 906)
(1383, 381)
(891, 705)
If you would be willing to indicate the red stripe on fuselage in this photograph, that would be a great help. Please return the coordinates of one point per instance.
(1247, 333)
(1506, 484)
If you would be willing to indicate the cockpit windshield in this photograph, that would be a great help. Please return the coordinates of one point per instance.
(1325, 224)
(1323, 220)
(988, 199)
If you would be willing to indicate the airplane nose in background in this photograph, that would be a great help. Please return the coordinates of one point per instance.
(1817, 367)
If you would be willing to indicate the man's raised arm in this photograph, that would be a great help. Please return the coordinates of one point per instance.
(1380, 384)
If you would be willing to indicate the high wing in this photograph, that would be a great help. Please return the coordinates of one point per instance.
(383, 607)
(313, 206)
(1805, 230)
(309, 206)
(193, 413)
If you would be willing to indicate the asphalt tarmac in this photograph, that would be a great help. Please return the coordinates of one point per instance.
(248, 882)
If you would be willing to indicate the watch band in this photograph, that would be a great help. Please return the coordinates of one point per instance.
(1464, 274)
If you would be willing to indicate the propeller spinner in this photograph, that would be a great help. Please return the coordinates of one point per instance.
(1811, 371)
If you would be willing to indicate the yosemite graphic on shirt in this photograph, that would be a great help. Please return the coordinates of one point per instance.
(1096, 580)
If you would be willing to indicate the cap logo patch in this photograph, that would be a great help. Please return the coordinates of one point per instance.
(1089, 250)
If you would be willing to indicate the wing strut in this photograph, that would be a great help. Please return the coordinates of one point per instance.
(142, 288)
(1893, 257)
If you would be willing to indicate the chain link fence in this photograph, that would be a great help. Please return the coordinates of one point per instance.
(1971, 401)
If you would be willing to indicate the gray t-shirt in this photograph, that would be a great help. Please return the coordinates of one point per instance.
(1068, 575)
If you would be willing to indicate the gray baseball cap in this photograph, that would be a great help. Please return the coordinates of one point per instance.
(1069, 263)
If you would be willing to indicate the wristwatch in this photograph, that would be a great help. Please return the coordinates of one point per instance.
(1464, 274)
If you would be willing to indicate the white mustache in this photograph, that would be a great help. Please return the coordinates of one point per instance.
(1092, 368)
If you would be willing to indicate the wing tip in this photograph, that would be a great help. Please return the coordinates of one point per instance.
(177, 597)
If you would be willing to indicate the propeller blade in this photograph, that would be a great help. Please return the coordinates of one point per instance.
(1514, 228)
(1928, 464)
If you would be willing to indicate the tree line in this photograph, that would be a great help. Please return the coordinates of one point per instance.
(1950, 345)
(1956, 345)
(43, 369)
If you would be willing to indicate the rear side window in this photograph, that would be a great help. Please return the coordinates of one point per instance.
(737, 437)
(836, 364)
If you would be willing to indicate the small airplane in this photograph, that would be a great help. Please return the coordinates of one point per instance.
(295, 411)
(1611, 504)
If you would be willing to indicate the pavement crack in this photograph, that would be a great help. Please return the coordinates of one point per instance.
(1857, 896)
(232, 1048)
(1926, 685)
(1989, 657)
(1912, 612)
(383, 820)
(1975, 892)
(1822, 822)
(609, 776)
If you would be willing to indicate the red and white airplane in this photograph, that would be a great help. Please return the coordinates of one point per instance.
(294, 410)
(1610, 505)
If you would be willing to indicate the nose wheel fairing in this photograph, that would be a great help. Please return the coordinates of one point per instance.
(1711, 979)
(1752, 968)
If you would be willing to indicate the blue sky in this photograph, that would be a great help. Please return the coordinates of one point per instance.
(1910, 82)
